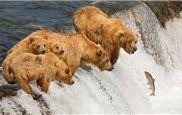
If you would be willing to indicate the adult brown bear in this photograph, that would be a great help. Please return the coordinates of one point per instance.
(35, 43)
(30, 44)
(111, 33)
(76, 49)
(43, 68)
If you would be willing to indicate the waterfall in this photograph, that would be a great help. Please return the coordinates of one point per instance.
(125, 89)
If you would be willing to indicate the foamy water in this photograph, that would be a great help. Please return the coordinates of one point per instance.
(125, 89)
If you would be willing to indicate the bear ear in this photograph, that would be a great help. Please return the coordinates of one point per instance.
(119, 34)
(99, 52)
(57, 64)
(31, 39)
(67, 70)
(82, 33)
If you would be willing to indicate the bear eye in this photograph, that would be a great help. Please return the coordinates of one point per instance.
(38, 46)
(57, 47)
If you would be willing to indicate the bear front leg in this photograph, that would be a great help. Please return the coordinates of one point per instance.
(24, 84)
(44, 84)
(114, 56)
(39, 82)
(6, 72)
(73, 64)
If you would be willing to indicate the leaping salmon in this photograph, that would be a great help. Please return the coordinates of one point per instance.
(151, 83)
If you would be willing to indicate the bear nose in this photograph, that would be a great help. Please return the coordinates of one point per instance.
(72, 83)
(61, 52)
(44, 51)
(111, 68)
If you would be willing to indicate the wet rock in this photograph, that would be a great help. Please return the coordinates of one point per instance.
(166, 10)
(8, 90)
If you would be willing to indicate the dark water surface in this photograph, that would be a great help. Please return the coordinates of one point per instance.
(18, 19)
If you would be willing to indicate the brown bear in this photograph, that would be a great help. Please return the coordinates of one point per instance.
(35, 44)
(39, 34)
(43, 68)
(110, 33)
(76, 49)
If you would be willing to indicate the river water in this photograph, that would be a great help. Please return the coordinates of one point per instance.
(125, 89)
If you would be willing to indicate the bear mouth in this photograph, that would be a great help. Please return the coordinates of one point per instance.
(44, 51)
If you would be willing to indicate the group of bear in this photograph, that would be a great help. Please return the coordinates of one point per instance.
(45, 55)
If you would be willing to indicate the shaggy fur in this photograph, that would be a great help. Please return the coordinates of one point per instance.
(75, 49)
(35, 44)
(42, 68)
(110, 33)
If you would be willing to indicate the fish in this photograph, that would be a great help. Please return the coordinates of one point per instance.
(151, 82)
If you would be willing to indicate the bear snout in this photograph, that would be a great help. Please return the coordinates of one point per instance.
(134, 50)
(107, 66)
(111, 68)
(61, 52)
(43, 51)
(72, 82)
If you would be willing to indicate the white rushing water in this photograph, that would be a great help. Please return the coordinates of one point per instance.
(125, 89)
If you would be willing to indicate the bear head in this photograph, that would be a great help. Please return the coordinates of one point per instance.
(38, 44)
(127, 40)
(64, 74)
